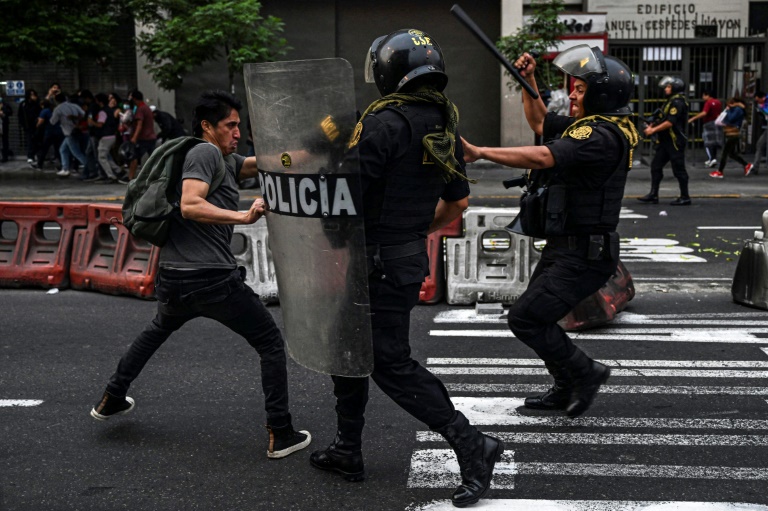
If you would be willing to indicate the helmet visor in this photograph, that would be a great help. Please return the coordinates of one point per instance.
(370, 60)
(580, 61)
(667, 80)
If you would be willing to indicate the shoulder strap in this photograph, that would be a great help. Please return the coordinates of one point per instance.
(221, 172)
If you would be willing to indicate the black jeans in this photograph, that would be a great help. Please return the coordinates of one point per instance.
(227, 299)
(665, 152)
(403, 379)
(731, 150)
(561, 280)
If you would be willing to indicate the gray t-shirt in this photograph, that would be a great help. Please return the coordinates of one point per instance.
(195, 245)
(63, 112)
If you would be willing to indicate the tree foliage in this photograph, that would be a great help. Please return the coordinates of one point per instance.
(63, 31)
(539, 35)
(186, 33)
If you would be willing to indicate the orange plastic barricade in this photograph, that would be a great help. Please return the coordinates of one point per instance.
(433, 287)
(602, 307)
(36, 241)
(107, 258)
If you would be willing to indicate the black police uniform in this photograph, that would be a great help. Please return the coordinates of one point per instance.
(401, 189)
(592, 163)
(670, 145)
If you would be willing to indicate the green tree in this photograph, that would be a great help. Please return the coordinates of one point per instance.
(63, 31)
(539, 35)
(183, 34)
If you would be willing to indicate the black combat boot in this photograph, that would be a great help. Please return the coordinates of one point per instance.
(587, 375)
(651, 198)
(344, 456)
(557, 397)
(477, 454)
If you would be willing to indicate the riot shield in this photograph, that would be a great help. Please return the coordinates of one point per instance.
(302, 116)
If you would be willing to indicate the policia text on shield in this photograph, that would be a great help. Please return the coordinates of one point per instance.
(574, 200)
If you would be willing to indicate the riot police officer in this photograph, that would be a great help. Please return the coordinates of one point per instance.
(582, 175)
(413, 183)
(670, 141)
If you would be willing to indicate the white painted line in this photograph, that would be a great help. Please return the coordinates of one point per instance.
(640, 372)
(764, 350)
(614, 439)
(729, 227)
(653, 471)
(733, 336)
(683, 279)
(20, 402)
(757, 364)
(591, 505)
(438, 468)
(625, 318)
(525, 388)
(503, 411)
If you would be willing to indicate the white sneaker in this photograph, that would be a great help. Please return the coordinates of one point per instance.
(707, 162)
(30, 160)
(711, 163)
(63, 173)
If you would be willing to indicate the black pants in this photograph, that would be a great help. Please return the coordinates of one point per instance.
(561, 280)
(665, 152)
(731, 149)
(227, 299)
(403, 379)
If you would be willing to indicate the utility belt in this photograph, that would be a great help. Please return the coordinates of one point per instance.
(593, 247)
(377, 254)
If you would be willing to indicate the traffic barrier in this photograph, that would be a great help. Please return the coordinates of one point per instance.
(602, 306)
(108, 259)
(36, 241)
(433, 287)
(750, 282)
(489, 263)
(250, 245)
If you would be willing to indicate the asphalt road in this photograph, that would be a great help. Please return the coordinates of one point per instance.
(683, 419)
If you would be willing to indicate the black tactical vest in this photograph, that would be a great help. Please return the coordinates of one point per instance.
(597, 211)
(403, 204)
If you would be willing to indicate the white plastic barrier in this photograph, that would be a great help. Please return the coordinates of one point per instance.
(489, 264)
(250, 245)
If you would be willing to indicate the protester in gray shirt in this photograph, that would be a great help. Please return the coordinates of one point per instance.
(67, 115)
(198, 276)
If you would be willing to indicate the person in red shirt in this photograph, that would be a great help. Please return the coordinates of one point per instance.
(711, 133)
(142, 131)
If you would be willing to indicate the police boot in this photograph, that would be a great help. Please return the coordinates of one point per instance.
(651, 198)
(587, 375)
(477, 454)
(557, 397)
(344, 456)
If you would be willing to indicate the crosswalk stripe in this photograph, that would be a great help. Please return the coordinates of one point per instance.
(615, 439)
(438, 468)
(625, 318)
(592, 505)
(734, 336)
(20, 402)
(644, 372)
(611, 389)
(488, 411)
(701, 364)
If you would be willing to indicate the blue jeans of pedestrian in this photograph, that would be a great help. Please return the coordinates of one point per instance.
(223, 296)
(71, 147)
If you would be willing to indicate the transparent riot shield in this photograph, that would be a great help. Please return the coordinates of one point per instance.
(302, 116)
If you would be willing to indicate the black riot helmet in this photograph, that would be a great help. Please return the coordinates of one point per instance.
(609, 81)
(677, 83)
(402, 58)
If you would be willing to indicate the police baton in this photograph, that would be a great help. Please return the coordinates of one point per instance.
(472, 27)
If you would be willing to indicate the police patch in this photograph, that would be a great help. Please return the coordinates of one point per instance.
(581, 133)
(355, 136)
(673, 111)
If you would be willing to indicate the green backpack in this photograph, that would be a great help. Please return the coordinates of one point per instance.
(152, 198)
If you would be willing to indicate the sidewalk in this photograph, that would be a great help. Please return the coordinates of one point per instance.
(19, 182)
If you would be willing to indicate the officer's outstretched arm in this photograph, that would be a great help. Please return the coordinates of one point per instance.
(528, 157)
(446, 212)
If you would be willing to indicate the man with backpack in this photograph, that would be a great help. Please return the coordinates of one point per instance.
(198, 275)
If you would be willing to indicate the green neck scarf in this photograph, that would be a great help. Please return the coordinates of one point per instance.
(440, 146)
(622, 122)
